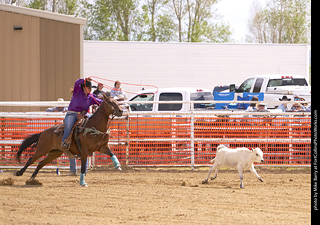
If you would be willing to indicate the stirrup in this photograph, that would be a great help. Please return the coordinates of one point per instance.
(65, 145)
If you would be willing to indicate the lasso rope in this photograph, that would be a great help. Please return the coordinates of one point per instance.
(96, 80)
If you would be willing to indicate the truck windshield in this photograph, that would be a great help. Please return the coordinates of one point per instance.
(287, 82)
(246, 85)
(201, 96)
(142, 106)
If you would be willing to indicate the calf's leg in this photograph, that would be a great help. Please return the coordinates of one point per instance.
(252, 169)
(215, 174)
(240, 171)
(215, 168)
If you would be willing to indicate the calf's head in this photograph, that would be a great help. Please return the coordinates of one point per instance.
(257, 155)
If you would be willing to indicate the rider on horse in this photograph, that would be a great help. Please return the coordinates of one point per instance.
(79, 105)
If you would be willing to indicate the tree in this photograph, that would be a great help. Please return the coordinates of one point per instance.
(112, 20)
(100, 20)
(158, 21)
(281, 21)
(38, 4)
(124, 12)
(68, 7)
(147, 20)
(86, 11)
(180, 11)
(151, 7)
(200, 23)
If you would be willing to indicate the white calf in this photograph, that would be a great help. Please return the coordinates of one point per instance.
(241, 158)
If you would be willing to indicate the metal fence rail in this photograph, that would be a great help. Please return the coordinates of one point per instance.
(176, 139)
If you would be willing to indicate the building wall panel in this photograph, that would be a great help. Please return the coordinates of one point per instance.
(60, 59)
(41, 61)
(19, 58)
(202, 65)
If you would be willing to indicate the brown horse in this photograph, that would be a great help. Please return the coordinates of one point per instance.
(48, 143)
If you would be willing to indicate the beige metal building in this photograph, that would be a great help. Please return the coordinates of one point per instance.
(41, 55)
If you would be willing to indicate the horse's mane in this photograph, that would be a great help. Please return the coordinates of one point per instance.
(93, 115)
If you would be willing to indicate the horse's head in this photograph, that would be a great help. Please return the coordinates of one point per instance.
(111, 106)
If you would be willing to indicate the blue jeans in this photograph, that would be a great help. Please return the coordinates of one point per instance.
(69, 121)
(73, 165)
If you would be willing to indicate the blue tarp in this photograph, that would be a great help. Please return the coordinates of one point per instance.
(220, 96)
(247, 97)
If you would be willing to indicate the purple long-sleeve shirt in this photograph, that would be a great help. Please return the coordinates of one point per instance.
(79, 101)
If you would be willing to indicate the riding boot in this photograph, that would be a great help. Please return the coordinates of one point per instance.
(116, 162)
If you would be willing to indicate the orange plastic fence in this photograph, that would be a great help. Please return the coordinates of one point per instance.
(179, 140)
(14, 130)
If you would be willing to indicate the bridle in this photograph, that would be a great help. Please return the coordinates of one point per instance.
(114, 105)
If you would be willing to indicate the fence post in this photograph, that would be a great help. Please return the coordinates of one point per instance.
(93, 162)
(192, 134)
(291, 122)
(128, 138)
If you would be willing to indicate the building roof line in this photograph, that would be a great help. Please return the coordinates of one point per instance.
(43, 14)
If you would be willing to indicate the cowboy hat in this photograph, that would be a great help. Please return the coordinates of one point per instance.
(261, 103)
(87, 85)
(284, 98)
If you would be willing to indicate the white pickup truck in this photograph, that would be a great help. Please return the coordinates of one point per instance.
(169, 94)
(275, 86)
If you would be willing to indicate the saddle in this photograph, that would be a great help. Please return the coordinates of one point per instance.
(77, 128)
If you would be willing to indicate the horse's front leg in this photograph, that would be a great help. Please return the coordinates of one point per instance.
(115, 161)
(83, 170)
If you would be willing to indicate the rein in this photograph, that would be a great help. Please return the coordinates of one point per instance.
(105, 133)
(109, 122)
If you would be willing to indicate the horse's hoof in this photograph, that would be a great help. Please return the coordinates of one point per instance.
(17, 173)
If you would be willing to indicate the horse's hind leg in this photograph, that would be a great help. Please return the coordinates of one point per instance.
(53, 154)
(20, 172)
(31, 160)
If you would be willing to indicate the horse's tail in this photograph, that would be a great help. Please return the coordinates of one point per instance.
(27, 142)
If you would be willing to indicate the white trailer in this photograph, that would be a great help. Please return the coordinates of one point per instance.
(191, 64)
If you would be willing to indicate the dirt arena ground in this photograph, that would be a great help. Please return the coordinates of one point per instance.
(159, 196)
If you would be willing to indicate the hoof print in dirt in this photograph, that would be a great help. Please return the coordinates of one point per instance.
(6, 182)
(33, 182)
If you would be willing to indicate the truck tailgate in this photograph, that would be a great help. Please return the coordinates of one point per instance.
(290, 90)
